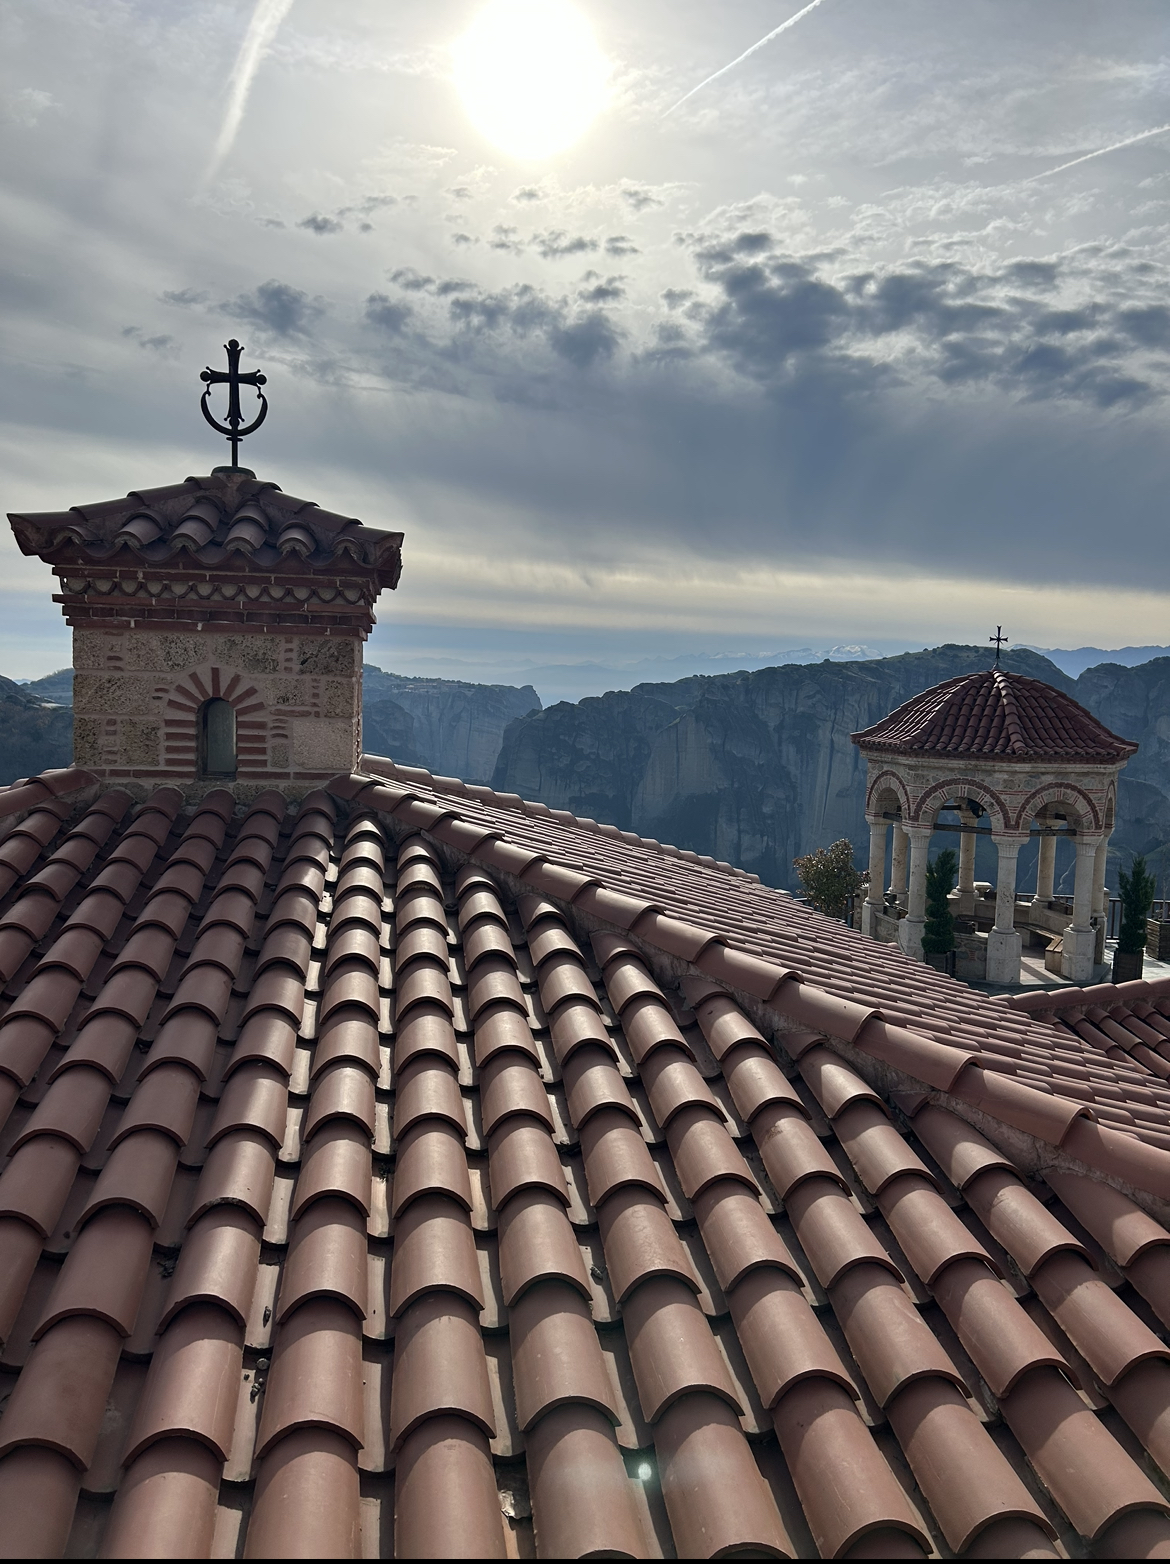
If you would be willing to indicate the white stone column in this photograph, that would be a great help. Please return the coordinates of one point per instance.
(1079, 940)
(898, 864)
(911, 927)
(967, 852)
(876, 897)
(1045, 868)
(966, 886)
(1003, 943)
(1100, 901)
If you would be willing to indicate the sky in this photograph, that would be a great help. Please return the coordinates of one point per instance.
(823, 356)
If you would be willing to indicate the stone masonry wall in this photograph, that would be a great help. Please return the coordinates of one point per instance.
(137, 693)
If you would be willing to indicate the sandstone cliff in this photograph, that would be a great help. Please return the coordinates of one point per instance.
(1136, 702)
(451, 728)
(34, 736)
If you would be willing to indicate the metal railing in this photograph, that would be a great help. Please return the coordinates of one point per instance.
(1159, 910)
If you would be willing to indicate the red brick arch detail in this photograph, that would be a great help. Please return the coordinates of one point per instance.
(968, 787)
(894, 782)
(185, 699)
(1060, 793)
(193, 689)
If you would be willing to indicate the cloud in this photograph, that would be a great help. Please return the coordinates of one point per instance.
(167, 346)
(640, 197)
(277, 307)
(607, 292)
(316, 224)
(582, 338)
(383, 312)
(505, 238)
(26, 106)
(184, 298)
(775, 313)
(618, 245)
(556, 244)
(1148, 325)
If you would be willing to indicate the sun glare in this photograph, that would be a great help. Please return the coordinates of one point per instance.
(531, 76)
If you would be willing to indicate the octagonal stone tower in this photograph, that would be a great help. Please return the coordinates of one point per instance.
(217, 632)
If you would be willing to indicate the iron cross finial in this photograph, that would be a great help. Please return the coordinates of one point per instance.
(1000, 641)
(234, 380)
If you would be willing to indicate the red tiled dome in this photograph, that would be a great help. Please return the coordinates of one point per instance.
(1000, 714)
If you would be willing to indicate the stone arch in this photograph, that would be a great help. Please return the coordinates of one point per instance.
(1067, 793)
(929, 802)
(186, 701)
(887, 781)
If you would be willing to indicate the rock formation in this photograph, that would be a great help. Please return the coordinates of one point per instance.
(751, 767)
(34, 736)
(451, 728)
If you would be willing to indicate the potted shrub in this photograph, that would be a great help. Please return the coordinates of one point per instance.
(1137, 896)
(829, 878)
(938, 937)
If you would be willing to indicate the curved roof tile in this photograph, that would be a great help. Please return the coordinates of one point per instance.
(206, 517)
(568, 1233)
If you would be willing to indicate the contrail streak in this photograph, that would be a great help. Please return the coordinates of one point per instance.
(1144, 135)
(262, 29)
(775, 33)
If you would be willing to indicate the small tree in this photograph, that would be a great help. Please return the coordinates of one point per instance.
(938, 936)
(829, 878)
(1137, 895)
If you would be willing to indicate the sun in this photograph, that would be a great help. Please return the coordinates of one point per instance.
(531, 76)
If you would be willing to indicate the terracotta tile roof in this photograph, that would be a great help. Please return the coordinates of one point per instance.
(411, 1174)
(995, 713)
(210, 521)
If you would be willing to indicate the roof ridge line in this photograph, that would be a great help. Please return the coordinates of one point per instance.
(513, 801)
(1011, 708)
(1066, 1123)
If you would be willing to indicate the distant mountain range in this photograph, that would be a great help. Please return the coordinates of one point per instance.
(758, 767)
(755, 766)
(1075, 662)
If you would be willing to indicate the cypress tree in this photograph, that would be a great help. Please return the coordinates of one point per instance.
(938, 936)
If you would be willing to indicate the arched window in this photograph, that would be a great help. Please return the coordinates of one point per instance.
(217, 739)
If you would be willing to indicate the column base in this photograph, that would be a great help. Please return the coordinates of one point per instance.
(965, 904)
(910, 932)
(1003, 956)
(1076, 962)
(869, 917)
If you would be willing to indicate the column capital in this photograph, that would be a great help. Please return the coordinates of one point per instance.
(918, 833)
